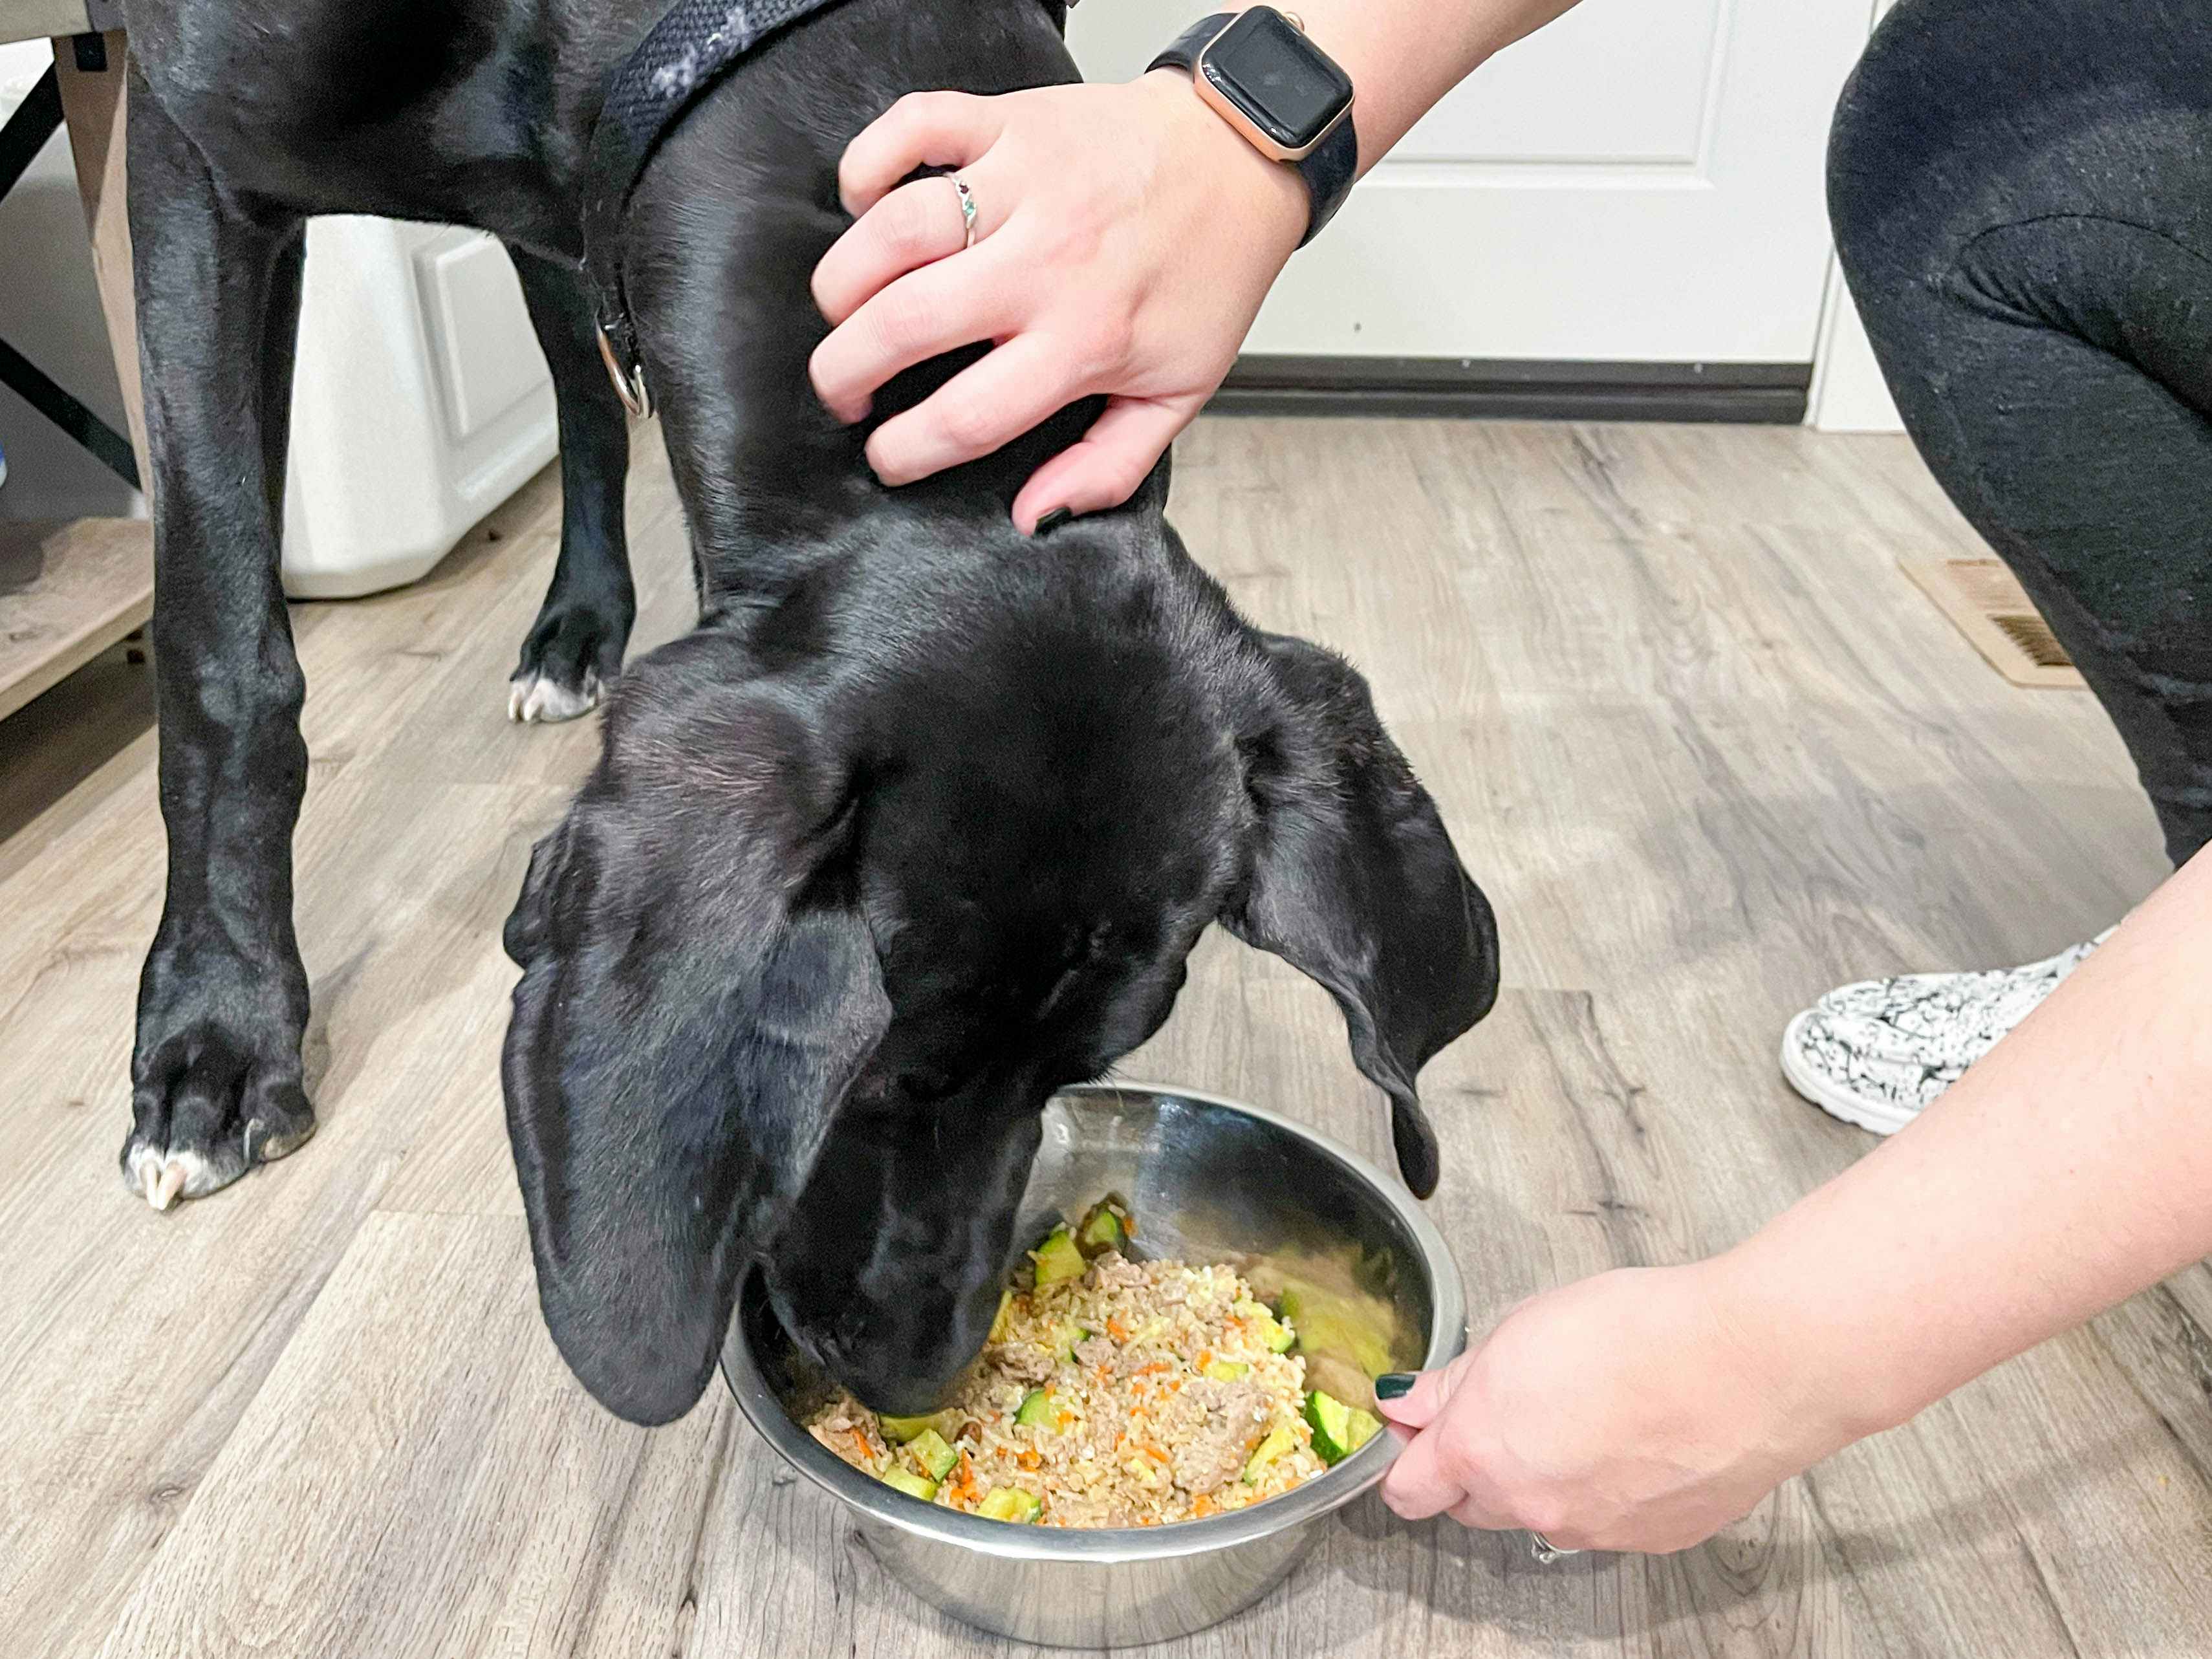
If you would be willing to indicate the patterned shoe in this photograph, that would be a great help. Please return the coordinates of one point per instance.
(1876, 1052)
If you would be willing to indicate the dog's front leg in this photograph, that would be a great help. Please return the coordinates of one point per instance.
(222, 1003)
(575, 646)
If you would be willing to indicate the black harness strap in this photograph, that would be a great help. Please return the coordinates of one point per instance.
(687, 53)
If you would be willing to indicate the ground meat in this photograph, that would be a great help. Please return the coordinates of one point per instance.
(1030, 1365)
(1097, 1351)
(1211, 1428)
(1111, 1272)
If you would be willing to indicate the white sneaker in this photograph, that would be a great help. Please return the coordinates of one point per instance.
(1875, 1053)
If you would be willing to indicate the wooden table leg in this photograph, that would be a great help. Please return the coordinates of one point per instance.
(92, 104)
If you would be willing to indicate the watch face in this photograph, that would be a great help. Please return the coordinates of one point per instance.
(1286, 84)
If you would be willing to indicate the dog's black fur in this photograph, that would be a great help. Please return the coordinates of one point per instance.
(920, 825)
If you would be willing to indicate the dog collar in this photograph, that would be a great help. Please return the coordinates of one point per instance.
(686, 54)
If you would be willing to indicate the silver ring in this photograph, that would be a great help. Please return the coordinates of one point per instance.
(1545, 1551)
(966, 212)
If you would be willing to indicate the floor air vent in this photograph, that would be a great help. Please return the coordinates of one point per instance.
(1985, 602)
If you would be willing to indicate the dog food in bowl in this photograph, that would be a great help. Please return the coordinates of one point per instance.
(1112, 1393)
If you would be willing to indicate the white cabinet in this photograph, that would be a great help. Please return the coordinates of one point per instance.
(420, 402)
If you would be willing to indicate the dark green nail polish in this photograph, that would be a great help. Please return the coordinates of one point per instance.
(1054, 519)
(1395, 1385)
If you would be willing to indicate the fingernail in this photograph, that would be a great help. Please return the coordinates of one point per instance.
(1396, 1385)
(1053, 520)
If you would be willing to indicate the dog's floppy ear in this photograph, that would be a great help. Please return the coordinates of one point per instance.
(1353, 881)
(692, 1008)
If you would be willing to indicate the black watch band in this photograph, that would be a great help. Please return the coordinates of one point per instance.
(1335, 162)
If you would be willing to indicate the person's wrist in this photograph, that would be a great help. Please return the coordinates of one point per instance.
(1272, 194)
(1816, 1392)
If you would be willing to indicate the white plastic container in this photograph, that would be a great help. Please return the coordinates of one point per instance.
(421, 402)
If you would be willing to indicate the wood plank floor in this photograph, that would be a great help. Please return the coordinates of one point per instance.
(1709, 752)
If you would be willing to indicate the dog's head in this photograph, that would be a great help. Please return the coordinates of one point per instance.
(817, 942)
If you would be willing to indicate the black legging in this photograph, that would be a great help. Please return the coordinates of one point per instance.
(2022, 198)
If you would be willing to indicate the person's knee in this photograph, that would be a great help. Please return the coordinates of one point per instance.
(1887, 188)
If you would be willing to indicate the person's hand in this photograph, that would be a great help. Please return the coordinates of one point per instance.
(1624, 1412)
(1124, 238)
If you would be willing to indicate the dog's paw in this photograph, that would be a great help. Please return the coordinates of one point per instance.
(533, 698)
(215, 1084)
(200, 1124)
(574, 649)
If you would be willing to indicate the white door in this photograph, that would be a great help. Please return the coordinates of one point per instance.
(1640, 181)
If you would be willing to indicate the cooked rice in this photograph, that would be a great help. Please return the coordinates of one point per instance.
(1138, 1435)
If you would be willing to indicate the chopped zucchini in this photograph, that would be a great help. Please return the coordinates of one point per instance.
(1057, 1259)
(900, 1430)
(1010, 1504)
(1036, 1410)
(1339, 1429)
(1329, 1322)
(1275, 1336)
(1280, 1440)
(1069, 1335)
(934, 1452)
(1002, 1320)
(1365, 1425)
(913, 1486)
(1226, 1371)
(1103, 1227)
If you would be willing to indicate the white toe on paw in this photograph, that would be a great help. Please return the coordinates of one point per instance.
(162, 1178)
(532, 699)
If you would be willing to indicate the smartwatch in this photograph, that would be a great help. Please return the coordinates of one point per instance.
(1285, 94)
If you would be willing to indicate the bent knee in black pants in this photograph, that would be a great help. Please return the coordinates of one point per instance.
(2022, 202)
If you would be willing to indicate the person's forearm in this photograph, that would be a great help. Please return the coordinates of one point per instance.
(1404, 55)
(2070, 1169)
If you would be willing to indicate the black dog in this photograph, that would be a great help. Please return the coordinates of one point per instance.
(919, 826)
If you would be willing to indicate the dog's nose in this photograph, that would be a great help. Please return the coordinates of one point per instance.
(895, 1385)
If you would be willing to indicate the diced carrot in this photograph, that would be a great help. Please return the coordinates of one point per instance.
(1203, 1506)
(1205, 1358)
(1028, 1459)
(1116, 1329)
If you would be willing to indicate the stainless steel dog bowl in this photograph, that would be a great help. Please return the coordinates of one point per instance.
(1209, 1180)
